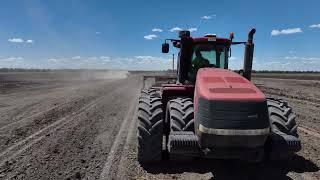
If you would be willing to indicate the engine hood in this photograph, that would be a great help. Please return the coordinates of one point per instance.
(221, 84)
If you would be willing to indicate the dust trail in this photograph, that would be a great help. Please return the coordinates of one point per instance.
(100, 75)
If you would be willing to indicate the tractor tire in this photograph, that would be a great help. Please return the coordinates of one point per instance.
(149, 92)
(180, 112)
(150, 127)
(282, 119)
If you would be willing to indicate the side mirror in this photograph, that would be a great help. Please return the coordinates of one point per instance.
(165, 48)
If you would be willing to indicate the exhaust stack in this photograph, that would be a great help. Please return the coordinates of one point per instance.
(248, 55)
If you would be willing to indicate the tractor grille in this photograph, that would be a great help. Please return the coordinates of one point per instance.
(232, 115)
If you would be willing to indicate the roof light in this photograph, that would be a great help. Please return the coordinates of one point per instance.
(210, 35)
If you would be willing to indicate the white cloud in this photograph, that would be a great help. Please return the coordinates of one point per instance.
(276, 32)
(13, 62)
(105, 58)
(58, 60)
(76, 57)
(92, 58)
(139, 62)
(311, 58)
(193, 29)
(157, 30)
(53, 60)
(98, 32)
(144, 57)
(208, 17)
(150, 36)
(315, 26)
(288, 63)
(150, 61)
(11, 59)
(16, 40)
(301, 58)
(273, 62)
(175, 29)
(291, 57)
(20, 40)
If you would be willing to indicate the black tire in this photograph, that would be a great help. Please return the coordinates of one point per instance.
(149, 92)
(282, 118)
(150, 127)
(180, 112)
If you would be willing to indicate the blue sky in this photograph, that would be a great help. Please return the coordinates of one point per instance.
(118, 34)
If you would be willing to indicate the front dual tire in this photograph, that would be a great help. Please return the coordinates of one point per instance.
(179, 117)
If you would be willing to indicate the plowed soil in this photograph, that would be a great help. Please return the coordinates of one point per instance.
(82, 125)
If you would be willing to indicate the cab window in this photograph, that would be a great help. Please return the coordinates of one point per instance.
(215, 55)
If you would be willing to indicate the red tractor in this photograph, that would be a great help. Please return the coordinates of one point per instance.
(211, 111)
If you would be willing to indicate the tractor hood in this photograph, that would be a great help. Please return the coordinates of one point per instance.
(221, 84)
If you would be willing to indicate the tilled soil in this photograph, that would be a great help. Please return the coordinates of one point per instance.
(302, 95)
(58, 127)
(63, 130)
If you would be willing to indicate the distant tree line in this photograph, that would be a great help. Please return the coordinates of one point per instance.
(265, 71)
(46, 70)
(23, 70)
(169, 70)
(271, 71)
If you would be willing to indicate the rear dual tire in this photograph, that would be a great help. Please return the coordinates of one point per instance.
(150, 127)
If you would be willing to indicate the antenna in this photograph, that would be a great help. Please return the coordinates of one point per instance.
(173, 62)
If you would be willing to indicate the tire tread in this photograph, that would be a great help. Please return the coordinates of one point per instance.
(282, 118)
(150, 126)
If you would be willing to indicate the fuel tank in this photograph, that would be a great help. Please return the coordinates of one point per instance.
(230, 111)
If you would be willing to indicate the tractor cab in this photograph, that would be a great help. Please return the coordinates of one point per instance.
(209, 55)
(200, 52)
(211, 48)
(208, 51)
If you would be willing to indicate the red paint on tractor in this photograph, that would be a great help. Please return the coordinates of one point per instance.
(169, 90)
(221, 84)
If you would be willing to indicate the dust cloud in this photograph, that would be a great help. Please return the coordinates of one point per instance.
(100, 75)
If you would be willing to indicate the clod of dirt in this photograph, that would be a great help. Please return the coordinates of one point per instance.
(56, 151)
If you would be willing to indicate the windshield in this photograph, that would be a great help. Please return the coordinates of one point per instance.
(206, 55)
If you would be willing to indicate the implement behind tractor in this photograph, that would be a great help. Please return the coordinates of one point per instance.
(211, 111)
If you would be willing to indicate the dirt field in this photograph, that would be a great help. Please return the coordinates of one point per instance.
(82, 125)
